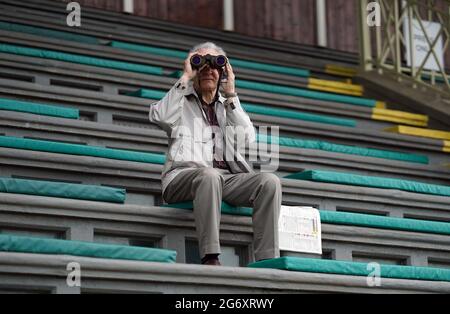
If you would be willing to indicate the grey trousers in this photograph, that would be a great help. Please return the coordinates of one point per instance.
(207, 187)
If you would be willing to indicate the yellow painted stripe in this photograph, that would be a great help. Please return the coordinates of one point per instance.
(399, 120)
(447, 148)
(334, 90)
(336, 84)
(340, 70)
(401, 114)
(380, 105)
(407, 130)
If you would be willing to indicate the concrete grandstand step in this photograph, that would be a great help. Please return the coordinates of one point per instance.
(97, 59)
(64, 35)
(171, 228)
(387, 116)
(136, 177)
(161, 61)
(127, 102)
(142, 182)
(283, 121)
(112, 83)
(23, 271)
(155, 141)
(344, 218)
(155, 39)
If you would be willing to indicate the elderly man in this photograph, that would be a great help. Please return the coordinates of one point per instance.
(204, 166)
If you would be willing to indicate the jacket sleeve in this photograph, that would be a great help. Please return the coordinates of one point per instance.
(167, 112)
(240, 121)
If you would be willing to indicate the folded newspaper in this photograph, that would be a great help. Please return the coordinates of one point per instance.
(300, 230)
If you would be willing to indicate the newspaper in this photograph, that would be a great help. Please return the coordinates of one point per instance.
(300, 230)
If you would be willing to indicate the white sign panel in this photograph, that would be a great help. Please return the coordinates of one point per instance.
(421, 46)
(300, 230)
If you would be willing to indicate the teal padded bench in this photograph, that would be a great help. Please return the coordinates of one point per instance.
(308, 144)
(39, 109)
(298, 92)
(81, 150)
(80, 59)
(264, 110)
(226, 208)
(84, 150)
(69, 36)
(343, 149)
(20, 244)
(236, 62)
(62, 190)
(45, 32)
(353, 268)
(369, 181)
(303, 93)
(350, 219)
(297, 115)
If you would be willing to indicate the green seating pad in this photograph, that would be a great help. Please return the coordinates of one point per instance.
(45, 32)
(304, 93)
(297, 115)
(393, 223)
(343, 149)
(39, 109)
(226, 209)
(10, 243)
(351, 219)
(80, 59)
(83, 150)
(264, 110)
(62, 190)
(369, 181)
(353, 269)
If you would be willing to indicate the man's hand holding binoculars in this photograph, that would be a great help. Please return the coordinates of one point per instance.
(229, 84)
(189, 73)
(195, 63)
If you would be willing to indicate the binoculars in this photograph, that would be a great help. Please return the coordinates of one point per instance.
(215, 62)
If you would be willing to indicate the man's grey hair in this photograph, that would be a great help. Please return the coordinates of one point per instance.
(208, 45)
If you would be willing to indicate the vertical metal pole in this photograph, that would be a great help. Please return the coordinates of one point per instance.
(228, 15)
(321, 13)
(378, 39)
(128, 6)
(412, 47)
(397, 56)
(364, 35)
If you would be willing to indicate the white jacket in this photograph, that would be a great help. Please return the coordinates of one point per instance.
(180, 114)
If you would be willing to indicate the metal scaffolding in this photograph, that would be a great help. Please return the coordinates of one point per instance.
(403, 28)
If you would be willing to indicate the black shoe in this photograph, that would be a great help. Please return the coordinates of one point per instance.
(211, 259)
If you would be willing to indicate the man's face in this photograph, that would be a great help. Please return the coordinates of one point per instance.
(208, 77)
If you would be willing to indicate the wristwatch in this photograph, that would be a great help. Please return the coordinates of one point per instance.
(230, 102)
